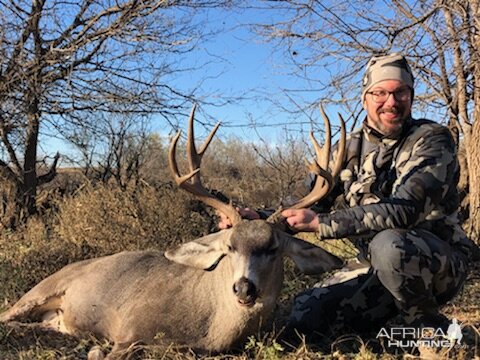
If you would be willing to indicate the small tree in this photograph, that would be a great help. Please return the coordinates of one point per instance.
(119, 150)
(62, 63)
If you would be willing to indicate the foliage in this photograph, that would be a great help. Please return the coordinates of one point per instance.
(29, 255)
(251, 175)
(263, 350)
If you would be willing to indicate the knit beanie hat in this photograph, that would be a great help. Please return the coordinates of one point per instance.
(387, 67)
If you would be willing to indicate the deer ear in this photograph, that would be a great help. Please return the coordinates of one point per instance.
(309, 258)
(203, 253)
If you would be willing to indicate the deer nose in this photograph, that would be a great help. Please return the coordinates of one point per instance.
(245, 291)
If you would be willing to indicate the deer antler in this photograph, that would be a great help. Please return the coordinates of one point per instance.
(191, 182)
(324, 181)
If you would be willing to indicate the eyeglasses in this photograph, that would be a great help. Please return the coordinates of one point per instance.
(380, 96)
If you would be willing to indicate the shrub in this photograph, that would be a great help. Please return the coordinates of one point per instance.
(106, 219)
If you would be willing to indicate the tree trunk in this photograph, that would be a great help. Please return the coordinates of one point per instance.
(473, 154)
(10, 201)
(30, 180)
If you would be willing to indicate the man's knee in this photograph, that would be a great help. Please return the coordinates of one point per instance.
(387, 250)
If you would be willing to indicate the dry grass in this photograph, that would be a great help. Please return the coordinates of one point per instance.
(101, 220)
(107, 219)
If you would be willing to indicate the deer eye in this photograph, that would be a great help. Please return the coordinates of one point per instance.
(230, 248)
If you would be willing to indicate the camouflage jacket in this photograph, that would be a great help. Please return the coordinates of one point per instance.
(409, 182)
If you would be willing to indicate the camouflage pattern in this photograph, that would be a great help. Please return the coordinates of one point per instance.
(397, 201)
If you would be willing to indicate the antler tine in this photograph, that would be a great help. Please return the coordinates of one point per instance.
(325, 158)
(195, 157)
(341, 148)
(191, 182)
(192, 134)
(325, 180)
(172, 161)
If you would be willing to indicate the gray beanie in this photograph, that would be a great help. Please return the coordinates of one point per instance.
(387, 67)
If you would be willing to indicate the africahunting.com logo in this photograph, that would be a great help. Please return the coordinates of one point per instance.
(407, 337)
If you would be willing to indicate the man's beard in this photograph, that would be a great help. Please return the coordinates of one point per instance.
(393, 128)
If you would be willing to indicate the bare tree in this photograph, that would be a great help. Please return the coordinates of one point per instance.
(329, 42)
(61, 62)
(283, 165)
(119, 150)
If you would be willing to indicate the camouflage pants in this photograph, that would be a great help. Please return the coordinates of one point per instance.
(412, 273)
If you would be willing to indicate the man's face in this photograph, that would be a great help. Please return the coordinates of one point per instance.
(388, 105)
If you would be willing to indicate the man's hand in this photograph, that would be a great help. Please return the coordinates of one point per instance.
(246, 213)
(301, 219)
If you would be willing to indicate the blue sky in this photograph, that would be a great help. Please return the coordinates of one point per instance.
(241, 64)
(250, 68)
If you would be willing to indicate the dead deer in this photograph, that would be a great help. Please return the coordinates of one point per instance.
(209, 294)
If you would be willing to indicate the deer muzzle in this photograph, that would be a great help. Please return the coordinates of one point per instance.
(245, 291)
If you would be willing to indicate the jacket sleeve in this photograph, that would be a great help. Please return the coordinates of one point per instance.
(426, 172)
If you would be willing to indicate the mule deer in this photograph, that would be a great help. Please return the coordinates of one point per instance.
(208, 294)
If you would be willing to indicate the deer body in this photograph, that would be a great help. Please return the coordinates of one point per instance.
(167, 305)
(144, 297)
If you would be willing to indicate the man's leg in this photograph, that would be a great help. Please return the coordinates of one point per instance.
(413, 273)
(359, 305)
(420, 270)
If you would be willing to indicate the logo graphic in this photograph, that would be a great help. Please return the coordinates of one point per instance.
(406, 337)
(454, 332)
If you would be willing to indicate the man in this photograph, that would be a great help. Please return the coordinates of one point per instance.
(396, 199)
